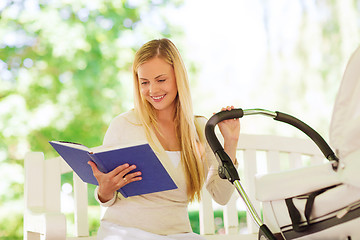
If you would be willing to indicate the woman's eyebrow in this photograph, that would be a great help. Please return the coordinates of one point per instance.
(159, 76)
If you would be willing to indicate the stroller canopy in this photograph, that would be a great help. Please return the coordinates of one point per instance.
(345, 122)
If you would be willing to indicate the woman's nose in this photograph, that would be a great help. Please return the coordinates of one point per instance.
(153, 88)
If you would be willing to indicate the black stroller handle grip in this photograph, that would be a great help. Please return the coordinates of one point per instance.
(319, 141)
(214, 120)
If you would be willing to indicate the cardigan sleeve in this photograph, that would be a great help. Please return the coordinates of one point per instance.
(104, 204)
(221, 190)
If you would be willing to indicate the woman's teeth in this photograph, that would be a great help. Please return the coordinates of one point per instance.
(158, 98)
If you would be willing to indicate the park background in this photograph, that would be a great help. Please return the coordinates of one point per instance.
(65, 69)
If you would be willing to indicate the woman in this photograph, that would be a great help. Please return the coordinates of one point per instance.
(163, 117)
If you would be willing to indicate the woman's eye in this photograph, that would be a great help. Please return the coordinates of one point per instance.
(144, 83)
(161, 80)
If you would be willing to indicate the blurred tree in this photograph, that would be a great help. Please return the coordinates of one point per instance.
(65, 72)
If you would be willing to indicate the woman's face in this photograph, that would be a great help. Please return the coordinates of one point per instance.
(158, 84)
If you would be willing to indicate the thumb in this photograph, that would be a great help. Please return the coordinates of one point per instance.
(94, 167)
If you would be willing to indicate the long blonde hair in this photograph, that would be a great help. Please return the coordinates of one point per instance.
(184, 119)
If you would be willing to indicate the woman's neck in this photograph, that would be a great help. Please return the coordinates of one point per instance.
(166, 131)
(165, 116)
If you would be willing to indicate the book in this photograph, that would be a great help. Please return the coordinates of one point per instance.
(155, 178)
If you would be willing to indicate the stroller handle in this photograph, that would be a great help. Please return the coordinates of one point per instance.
(278, 116)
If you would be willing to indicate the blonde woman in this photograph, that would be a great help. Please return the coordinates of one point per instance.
(163, 117)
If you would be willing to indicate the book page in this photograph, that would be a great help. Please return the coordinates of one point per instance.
(73, 145)
(103, 148)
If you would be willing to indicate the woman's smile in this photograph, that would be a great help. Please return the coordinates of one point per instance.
(158, 98)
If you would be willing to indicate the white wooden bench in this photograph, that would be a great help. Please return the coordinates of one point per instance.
(43, 218)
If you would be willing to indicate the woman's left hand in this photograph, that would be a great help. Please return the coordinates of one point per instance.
(230, 129)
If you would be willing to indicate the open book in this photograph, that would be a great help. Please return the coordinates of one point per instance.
(155, 178)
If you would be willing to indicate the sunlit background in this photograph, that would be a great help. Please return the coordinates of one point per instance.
(65, 68)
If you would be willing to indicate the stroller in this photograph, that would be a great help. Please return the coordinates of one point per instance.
(312, 209)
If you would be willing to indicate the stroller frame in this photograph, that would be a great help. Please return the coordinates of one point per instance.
(227, 169)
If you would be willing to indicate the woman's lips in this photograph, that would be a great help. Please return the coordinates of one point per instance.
(157, 98)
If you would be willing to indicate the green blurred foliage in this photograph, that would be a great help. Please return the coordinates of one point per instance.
(65, 72)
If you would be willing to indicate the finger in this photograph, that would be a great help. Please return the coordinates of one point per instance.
(119, 169)
(119, 176)
(136, 179)
(133, 177)
(127, 170)
(227, 108)
(94, 168)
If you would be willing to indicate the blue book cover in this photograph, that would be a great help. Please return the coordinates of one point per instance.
(155, 178)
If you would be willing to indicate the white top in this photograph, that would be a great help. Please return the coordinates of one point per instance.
(175, 157)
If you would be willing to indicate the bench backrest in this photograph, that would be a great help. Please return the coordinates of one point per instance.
(256, 153)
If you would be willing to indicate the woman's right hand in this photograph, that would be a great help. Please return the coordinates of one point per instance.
(112, 181)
